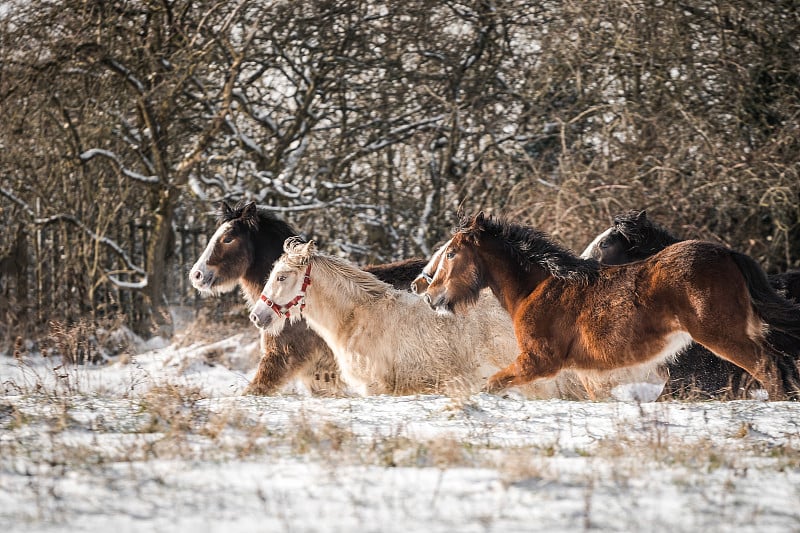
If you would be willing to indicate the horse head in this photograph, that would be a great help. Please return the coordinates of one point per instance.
(617, 245)
(230, 250)
(632, 237)
(421, 282)
(286, 287)
(458, 277)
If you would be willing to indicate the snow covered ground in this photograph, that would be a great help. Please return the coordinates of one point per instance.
(163, 441)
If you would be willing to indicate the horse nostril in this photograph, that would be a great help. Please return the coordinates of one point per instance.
(428, 298)
(254, 318)
(197, 274)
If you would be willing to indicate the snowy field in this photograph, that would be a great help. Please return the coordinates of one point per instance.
(163, 441)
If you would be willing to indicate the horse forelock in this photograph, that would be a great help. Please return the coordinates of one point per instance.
(530, 247)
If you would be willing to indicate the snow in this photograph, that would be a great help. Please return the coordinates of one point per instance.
(94, 152)
(164, 441)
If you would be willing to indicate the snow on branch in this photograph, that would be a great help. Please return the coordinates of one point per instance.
(243, 138)
(392, 137)
(260, 118)
(126, 73)
(94, 152)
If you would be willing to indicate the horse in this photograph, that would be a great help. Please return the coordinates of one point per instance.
(245, 244)
(633, 237)
(571, 312)
(385, 341)
(595, 385)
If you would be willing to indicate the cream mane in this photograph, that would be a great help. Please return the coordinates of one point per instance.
(353, 282)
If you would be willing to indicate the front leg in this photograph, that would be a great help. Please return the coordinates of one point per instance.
(275, 368)
(525, 369)
(297, 353)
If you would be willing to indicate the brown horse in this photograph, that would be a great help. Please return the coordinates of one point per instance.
(596, 385)
(633, 237)
(570, 312)
(241, 253)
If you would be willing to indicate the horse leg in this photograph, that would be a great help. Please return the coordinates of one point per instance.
(752, 356)
(296, 353)
(524, 369)
(275, 368)
(588, 384)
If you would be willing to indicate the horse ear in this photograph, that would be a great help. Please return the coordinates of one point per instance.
(224, 210)
(479, 219)
(250, 215)
(290, 243)
(298, 250)
(250, 211)
(641, 216)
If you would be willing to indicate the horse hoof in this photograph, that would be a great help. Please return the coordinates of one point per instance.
(493, 387)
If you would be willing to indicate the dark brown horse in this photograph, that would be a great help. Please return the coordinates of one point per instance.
(241, 253)
(570, 312)
(633, 237)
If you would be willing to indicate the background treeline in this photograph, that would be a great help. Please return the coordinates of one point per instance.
(369, 125)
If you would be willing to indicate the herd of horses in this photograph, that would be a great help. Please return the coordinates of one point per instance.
(502, 305)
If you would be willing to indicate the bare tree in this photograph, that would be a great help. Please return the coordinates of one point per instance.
(370, 125)
(138, 92)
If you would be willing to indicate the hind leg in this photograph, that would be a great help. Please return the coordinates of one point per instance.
(753, 357)
(726, 323)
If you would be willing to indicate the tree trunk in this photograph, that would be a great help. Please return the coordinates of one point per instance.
(159, 321)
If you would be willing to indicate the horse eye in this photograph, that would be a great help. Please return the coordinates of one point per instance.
(450, 255)
(603, 244)
(281, 278)
(227, 239)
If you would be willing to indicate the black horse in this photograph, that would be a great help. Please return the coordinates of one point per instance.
(241, 253)
(634, 237)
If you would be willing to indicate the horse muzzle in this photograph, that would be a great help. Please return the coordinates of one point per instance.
(202, 280)
(262, 318)
(438, 303)
(418, 286)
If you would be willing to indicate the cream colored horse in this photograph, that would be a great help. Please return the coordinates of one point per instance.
(387, 341)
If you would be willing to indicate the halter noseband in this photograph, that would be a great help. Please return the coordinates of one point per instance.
(283, 310)
(427, 277)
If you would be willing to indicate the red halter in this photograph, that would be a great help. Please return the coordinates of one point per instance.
(283, 310)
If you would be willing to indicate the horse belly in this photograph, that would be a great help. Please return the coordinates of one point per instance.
(672, 345)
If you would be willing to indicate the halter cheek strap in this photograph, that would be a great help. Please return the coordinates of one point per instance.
(283, 310)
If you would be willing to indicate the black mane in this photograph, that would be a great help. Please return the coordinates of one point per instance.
(645, 236)
(531, 247)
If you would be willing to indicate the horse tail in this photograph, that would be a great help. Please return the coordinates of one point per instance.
(781, 315)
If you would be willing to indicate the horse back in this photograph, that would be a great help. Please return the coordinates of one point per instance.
(399, 273)
(632, 306)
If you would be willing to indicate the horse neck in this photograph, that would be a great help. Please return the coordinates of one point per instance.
(329, 299)
(267, 248)
(507, 279)
(655, 240)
